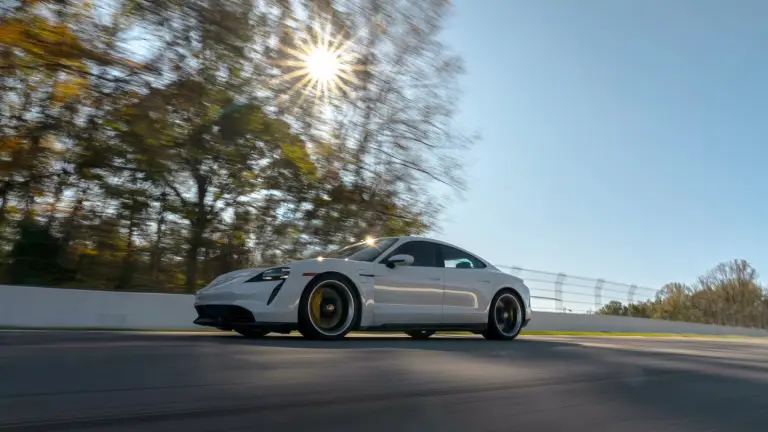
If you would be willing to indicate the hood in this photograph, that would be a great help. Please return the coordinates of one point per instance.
(243, 274)
(233, 276)
(310, 262)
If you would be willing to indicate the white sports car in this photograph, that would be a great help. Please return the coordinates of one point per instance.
(410, 284)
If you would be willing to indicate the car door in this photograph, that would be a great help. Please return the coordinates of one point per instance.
(409, 294)
(466, 287)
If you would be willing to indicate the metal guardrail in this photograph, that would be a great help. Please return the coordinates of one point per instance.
(559, 292)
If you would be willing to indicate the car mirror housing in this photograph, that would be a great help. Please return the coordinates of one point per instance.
(399, 260)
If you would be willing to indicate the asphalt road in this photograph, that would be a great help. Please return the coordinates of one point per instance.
(210, 382)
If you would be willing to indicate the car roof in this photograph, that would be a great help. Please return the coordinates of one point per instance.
(424, 238)
(429, 239)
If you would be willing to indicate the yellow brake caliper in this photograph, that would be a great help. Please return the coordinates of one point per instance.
(317, 299)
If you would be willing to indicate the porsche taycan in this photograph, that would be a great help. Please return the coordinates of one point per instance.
(415, 285)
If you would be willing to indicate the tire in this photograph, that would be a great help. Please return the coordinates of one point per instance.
(420, 334)
(329, 308)
(505, 316)
(252, 333)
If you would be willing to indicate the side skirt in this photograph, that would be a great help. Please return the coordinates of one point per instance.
(474, 328)
(286, 328)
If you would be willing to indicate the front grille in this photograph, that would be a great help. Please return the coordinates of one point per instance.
(225, 313)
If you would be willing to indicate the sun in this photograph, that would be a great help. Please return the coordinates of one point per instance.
(321, 65)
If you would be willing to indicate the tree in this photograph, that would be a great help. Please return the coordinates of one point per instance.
(674, 302)
(729, 294)
(151, 142)
(613, 307)
(35, 241)
(387, 136)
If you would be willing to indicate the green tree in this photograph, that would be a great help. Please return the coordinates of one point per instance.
(613, 307)
(729, 294)
(34, 257)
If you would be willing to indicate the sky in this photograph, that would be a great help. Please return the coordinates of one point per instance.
(626, 140)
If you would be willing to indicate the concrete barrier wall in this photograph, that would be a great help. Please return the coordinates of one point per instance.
(579, 322)
(55, 307)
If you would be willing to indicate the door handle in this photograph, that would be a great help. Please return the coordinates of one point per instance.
(435, 278)
(485, 281)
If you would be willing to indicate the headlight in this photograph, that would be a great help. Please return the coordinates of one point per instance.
(276, 273)
(271, 274)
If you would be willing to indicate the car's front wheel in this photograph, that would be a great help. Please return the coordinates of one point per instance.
(505, 317)
(328, 308)
(420, 334)
(252, 333)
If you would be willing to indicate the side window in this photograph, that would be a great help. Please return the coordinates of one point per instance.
(454, 258)
(424, 253)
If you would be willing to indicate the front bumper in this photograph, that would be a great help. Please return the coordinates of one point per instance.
(268, 304)
(229, 317)
(224, 316)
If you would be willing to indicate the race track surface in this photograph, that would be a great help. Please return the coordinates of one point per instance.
(100, 381)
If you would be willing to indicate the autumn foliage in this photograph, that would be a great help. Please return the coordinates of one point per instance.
(152, 145)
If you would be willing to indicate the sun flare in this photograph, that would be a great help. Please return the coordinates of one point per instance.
(321, 65)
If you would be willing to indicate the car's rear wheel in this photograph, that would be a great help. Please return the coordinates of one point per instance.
(505, 317)
(328, 308)
(420, 334)
(252, 333)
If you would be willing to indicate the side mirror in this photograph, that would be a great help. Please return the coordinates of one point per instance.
(399, 260)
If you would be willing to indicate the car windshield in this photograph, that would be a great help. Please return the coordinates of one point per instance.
(363, 251)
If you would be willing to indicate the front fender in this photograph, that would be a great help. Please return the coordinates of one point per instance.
(361, 274)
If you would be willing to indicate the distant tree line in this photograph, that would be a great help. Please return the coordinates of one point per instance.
(154, 144)
(729, 294)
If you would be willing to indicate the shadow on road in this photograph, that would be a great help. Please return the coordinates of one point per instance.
(380, 383)
(378, 341)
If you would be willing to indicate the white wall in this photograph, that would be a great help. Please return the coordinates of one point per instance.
(580, 322)
(55, 307)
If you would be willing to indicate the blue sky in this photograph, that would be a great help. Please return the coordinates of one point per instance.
(621, 139)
